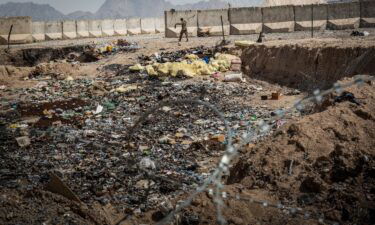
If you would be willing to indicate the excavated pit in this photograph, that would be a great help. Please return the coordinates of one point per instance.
(33, 56)
(307, 65)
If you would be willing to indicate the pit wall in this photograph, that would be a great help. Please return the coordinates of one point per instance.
(210, 22)
(21, 31)
(245, 20)
(320, 67)
(367, 14)
(277, 19)
(304, 14)
(26, 31)
(173, 17)
(236, 21)
(53, 30)
(344, 16)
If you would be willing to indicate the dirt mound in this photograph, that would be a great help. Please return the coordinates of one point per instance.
(308, 64)
(324, 162)
(39, 207)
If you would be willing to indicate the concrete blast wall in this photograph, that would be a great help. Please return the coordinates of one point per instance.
(82, 28)
(368, 14)
(38, 31)
(148, 25)
(278, 19)
(69, 29)
(108, 28)
(209, 22)
(306, 14)
(95, 28)
(173, 17)
(245, 20)
(133, 25)
(21, 32)
(119, 27)
(159, 25)
(343, 16)
(54, 30)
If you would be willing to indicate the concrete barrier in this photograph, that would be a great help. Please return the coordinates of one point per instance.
(95, 28)
(173, 17)
(69, 29)
(119, 27)
(53, 30)
(159, 25)
(343, 16)
(367, 14)
(148, 26)
(133, 25)
(82, 28)
(21, 32)
(38, 31)
(209, 22)
(108, 28)
(245, 20)
(278, 19)
(306, 14)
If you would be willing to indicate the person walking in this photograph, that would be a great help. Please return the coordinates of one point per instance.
(184, 30)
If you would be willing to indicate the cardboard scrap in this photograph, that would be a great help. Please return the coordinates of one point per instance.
(57, 186)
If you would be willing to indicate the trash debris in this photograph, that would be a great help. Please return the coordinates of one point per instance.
(111, 214)
(23, 141)
(136, 68)
(69, 78)
(260, 38)
(359, 33)
(126, 88)
(276, 96)
(123, 42)
(220, 138)
(346, 96)
(188, 65)
(3, 87)
(237, 77)
(236, 65)
(82, 125)
(243, 43)
(166, 109)
(57, 186)
(99, 109)
(144, 184)
(146, 163)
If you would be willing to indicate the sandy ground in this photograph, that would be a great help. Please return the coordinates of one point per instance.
(328, 138)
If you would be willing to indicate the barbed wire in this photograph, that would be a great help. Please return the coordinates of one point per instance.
(231, 151)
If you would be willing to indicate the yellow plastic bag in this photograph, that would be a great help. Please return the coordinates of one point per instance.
(191, 57)
(126, 88)
(243, 43)
(151, 71)
(136, 68)
(163, 69)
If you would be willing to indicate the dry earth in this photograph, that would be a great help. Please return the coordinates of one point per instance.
(322, 161)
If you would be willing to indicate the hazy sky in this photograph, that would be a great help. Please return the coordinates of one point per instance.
(68, 6)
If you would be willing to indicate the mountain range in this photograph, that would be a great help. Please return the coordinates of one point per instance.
(115, 9)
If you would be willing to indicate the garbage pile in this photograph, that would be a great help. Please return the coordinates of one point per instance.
(97, 51)
(198, 62)
(78, 129)
(116, 46)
